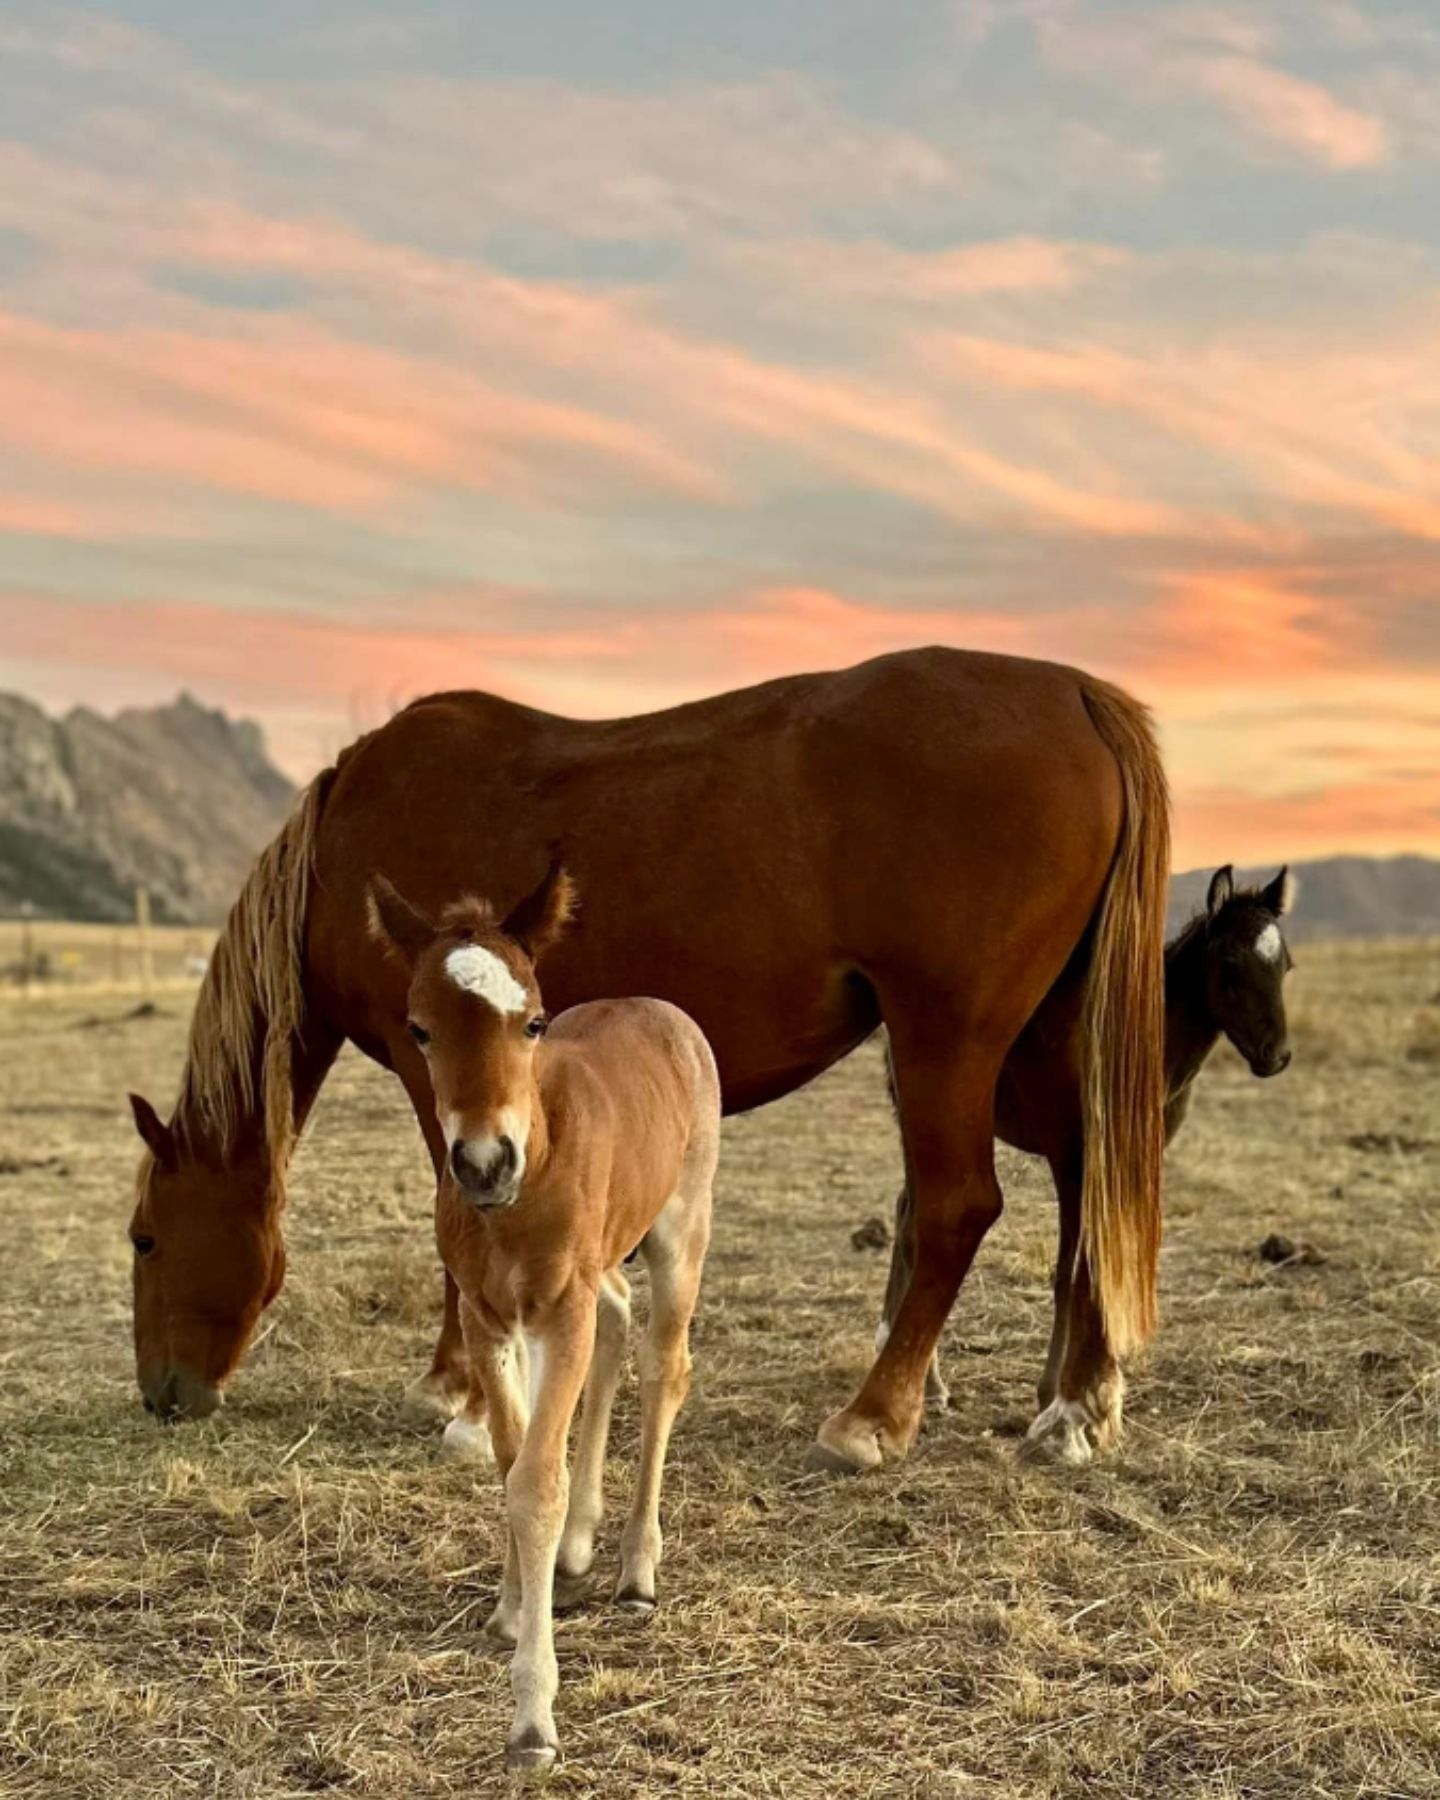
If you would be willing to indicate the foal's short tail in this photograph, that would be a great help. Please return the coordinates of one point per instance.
(1123, 1036)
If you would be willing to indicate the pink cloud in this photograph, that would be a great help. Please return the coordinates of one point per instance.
(1300, 115)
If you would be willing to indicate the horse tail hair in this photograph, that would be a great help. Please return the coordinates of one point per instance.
(1123, 1035)
(251, 1006)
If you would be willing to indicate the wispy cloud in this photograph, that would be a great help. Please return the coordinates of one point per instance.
(344, 366)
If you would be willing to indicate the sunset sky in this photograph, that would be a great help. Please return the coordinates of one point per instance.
(606, 356)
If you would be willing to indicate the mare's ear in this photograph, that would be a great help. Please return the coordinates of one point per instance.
(1222, 888)
(394, 921)
(1279, 897)
(153, 1129)
(542, 916)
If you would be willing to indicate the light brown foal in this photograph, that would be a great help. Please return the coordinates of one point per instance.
(564, 1156)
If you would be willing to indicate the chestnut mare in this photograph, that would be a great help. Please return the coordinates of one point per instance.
(1224, 976)
(930, 840)
(568, 1150)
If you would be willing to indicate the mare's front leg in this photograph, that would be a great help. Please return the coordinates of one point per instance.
(536, 1493)
(1068, 1180)
(945, 1074)
(902, 1261)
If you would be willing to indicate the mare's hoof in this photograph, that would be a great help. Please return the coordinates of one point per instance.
(530, 1755)
(1062, 1433)
(846, 1446)
(820, 1459)
(635, 1600)
(466, 1442)
(432, 1397)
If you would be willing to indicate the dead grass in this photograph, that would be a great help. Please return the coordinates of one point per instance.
(1245, 1601)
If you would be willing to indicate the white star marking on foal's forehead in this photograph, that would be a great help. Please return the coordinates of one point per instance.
(482, 973)
(1267, 945)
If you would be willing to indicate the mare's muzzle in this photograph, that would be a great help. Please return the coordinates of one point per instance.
(173, 1394)
(487, 1169)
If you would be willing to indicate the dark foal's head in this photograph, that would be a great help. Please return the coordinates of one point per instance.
(209, 1258)
(1246, 962)
(474, 1009)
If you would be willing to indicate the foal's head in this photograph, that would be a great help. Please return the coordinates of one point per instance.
(1246, 962)
(475, 1012)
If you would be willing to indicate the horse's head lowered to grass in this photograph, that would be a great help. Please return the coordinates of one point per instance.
(474, 1009)
(1246, 962)
(209, 1258)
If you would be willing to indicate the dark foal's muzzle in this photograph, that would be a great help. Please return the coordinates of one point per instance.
(1273, 1059)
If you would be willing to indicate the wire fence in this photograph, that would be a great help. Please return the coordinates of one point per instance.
(43, 958)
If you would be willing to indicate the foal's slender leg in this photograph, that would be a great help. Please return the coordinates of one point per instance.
(494, 1362)
(675, 1254)
(1069, 1179)
(536, 1491)
(902, 1261)
(946, 1074)
(587, 1478)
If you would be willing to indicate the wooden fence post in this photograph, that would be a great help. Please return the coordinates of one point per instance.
(142, 932)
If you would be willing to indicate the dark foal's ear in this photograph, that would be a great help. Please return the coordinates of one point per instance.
(1279, 897)
(396, 922)
(1222, 888)
(542, 916)
(153, 1130)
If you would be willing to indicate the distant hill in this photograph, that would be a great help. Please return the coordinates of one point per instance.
(178, 797)
(1340, 896)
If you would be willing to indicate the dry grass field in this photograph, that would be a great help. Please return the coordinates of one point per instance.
(1243, 1601)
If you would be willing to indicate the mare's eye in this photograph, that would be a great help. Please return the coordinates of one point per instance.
(419, 1033)
(143, 1245)
(538, 1026)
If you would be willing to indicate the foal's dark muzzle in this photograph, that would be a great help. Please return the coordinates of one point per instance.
(487, 1178)
(1273, 1060)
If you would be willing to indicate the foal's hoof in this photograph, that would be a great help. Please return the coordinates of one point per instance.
(432, 1397)
(467, 1442)
(635, 1600)
(530, 1756)
(571, 1590)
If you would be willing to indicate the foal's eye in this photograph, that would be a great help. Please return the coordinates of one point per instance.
(538, 1026)
(143, 1245)
(419, 1033)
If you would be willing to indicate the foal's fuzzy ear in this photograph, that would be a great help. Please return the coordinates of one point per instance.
(1279, 897)
(394, 921)
(1222, 888)
(157, 1135)
(542, 916)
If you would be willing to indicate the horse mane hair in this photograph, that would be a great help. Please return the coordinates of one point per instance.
(250, 1010)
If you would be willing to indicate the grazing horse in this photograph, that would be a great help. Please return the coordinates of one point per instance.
(1224, 977)
(567, 1150)
(930, 840)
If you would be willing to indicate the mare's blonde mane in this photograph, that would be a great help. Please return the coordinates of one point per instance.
(251, 1004)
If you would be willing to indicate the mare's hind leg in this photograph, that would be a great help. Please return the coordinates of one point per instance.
(674, 1250)
(902, 1261)
(946, 1072)
(587, 1478)
(1085, 1414)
